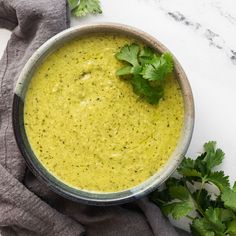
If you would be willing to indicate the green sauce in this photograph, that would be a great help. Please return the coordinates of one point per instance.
(86, 125)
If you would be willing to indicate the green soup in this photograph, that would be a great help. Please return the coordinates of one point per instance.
(88, 128)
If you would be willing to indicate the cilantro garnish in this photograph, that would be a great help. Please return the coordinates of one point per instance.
(158, 67)
(84, 7)
(211, 214)
(146, 70)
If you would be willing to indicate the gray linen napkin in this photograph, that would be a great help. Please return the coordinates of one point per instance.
(28, 207)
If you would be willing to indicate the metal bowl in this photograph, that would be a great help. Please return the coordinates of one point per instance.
(82, 195)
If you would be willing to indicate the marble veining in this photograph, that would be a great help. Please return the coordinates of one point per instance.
(213, 38)
(225, 14)
(177, 16)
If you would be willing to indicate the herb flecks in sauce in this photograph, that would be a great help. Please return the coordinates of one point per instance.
(88, 128)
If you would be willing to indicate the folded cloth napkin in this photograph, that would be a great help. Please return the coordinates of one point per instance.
(27, 206)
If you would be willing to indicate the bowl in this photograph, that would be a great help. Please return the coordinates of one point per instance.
(82, 195)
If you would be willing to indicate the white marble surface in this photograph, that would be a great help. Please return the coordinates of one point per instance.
(202, 35)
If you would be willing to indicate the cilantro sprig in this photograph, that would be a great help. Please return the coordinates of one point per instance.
(146, 70)
(211, 214)
(84, 7)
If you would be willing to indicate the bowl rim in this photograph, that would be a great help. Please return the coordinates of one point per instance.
(89, 197)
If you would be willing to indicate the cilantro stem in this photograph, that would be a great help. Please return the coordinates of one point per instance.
(196, 205)
(161, 201)
(190, 217)
(200, 190)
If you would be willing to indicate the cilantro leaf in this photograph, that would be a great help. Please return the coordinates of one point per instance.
(215, 213)
(174, 181)
(209, 159)
(169, 62)
(219, 179)
(126, 70)
(136, 69)
(160, 197)
(139, 59)
(146, 55)
(202, 198)
(214, 157)
(86, 7)
(229, 198)
(214, 217)
(158, 68)
(175, 189)
(234, 187)
(186, 163)
(200, 164)
(149, 72)
(218, 202)
(178, 209)
(179, 192)
(187, 168)
(72, 4)
(129, 53)
(201, 227)
(231, 227)
(227, 215)
(142, 88)
(211, 224)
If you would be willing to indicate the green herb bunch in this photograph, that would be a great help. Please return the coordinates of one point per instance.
(83, 7)
(146, 70)
(211, 214)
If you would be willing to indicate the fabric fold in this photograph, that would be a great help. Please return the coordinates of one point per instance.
(27, 206)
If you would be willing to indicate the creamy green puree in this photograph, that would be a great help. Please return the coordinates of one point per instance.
(87, 126)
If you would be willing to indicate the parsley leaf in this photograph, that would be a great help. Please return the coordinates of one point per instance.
(145, 82)
(85, 7)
